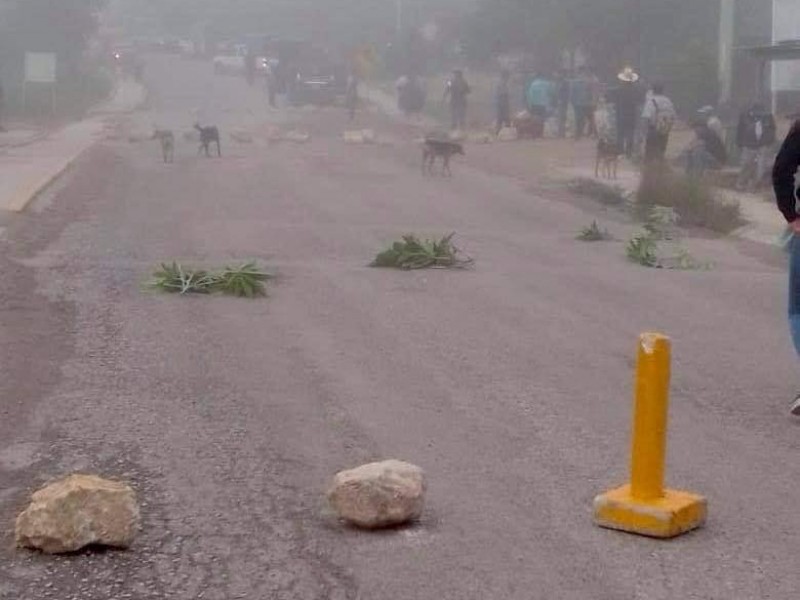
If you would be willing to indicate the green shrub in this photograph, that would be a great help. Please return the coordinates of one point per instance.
(593, 233)
(643, 250)
(694, 201)
(604, 193)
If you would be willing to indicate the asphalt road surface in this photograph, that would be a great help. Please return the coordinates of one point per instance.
(510, 384)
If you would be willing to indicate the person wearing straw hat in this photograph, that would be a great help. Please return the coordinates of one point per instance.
(627, 100)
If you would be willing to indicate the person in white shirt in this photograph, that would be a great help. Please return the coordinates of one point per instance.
(659, 117)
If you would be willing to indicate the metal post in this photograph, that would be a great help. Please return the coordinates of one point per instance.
(399, 17)
(727, 23)
(650, 417)
(645, 506)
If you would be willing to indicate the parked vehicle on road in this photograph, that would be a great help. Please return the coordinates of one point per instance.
(318, 84)
(232, 61)
(308, 74)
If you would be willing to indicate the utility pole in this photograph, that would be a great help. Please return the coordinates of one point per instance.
(727, 24)
(399, 18)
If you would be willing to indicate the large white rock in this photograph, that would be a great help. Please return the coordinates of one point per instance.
(298, 137)
(381, 494)
(363, 136)
(78, 511)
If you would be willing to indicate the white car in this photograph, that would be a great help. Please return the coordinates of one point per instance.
(231, 62)
(234, 63)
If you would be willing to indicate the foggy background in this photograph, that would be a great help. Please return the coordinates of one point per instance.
(678, 42)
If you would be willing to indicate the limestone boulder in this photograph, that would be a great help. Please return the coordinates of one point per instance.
(363, 136)
(78, 511)
(380, 494)
(298, 137)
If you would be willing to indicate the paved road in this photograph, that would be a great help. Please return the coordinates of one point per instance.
(510, 384)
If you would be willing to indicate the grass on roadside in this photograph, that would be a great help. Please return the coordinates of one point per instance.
(694, 201)
(412, 252)
(610, 195)
(593, 233)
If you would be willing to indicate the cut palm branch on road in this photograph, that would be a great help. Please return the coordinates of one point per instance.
(644, 249)
(412, 252)
(245, 281)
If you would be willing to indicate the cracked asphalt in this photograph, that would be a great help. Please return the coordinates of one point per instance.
(510, 384)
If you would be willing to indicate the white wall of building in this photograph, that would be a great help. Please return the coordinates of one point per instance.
(785, 26)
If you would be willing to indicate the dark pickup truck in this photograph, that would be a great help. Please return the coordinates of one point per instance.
(307, 74)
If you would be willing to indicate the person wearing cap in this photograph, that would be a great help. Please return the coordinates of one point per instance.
(783, 182)
(707, 151)
(627, 99)
(709, 114)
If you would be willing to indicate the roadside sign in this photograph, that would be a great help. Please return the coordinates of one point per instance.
(40, 67)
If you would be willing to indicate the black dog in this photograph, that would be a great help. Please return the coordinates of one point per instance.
(208, 136)
(444, 149)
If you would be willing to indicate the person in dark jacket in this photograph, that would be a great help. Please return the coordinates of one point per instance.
(627, 99)
(456, 90)
(582, 99)
(755, 135)
(783, 181)
(2, 107)
(502, 101)
(562, 102)
(707, 151)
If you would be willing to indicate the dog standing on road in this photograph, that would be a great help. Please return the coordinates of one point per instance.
(167, 139)
(434, 148)
(607, 159)
(608, 147)
(208, 136)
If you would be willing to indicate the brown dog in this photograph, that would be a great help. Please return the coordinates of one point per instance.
(434, 148)
(607, 159)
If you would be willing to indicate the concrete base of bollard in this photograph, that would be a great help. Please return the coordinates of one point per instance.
(674, 514)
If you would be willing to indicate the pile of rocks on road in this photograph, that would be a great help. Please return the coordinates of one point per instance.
(85, 510)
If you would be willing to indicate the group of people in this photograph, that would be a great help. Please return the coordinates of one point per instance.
(628, 118)
(612, 114)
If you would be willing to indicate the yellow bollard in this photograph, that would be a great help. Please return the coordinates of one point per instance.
(644, 506)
